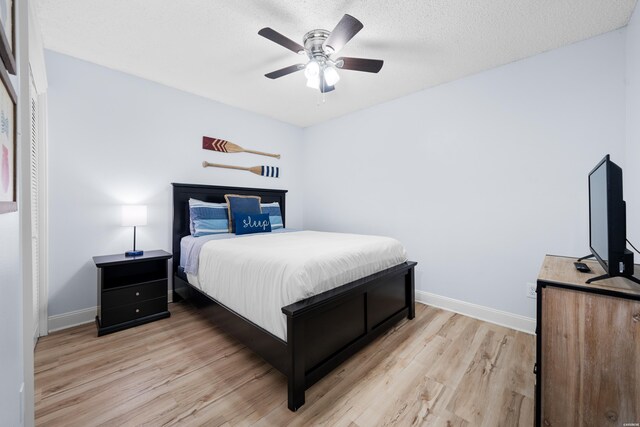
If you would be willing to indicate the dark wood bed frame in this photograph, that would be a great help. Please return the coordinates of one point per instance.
(323, 330)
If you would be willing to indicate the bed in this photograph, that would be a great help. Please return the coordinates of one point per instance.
(322, 330)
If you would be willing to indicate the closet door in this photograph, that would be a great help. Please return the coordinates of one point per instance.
(35, 205)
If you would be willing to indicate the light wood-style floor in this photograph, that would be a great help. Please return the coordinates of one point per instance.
(440, 369)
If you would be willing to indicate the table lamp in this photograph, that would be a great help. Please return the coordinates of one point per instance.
(133, 216)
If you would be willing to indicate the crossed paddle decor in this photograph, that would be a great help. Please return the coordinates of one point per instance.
(223, 146)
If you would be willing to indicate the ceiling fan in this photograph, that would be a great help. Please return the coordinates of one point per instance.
(320, 69)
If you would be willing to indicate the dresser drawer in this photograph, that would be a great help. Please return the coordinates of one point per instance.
(133, 294)
(125, 313)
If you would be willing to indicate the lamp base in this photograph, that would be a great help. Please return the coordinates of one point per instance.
(133, 253)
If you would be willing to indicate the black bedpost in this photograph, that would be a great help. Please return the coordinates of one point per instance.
(295, 355)
(411, 292)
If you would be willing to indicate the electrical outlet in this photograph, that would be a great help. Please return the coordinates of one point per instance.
(531, 290)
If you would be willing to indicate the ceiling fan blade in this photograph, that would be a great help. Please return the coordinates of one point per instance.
(360, 64)
(283, 41)
(284, 71)
(343, 32)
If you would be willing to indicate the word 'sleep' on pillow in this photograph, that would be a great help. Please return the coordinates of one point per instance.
(252, 223)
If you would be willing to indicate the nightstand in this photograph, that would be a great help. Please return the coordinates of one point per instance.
(131, 290)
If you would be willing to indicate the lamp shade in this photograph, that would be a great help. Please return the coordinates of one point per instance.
(134, 215)
(331, 76)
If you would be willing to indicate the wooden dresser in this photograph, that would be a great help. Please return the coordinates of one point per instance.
(587, 347)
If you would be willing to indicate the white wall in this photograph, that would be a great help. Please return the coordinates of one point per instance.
(10, 320)
(479, 178)
(114, 139)
(16, 324)
(632, 164)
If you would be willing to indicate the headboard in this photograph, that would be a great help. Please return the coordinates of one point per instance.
(215, 194)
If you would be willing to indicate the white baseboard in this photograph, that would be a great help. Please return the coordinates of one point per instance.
(502, 318)
(72, 318)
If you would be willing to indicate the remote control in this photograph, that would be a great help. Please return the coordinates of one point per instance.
(582, 267)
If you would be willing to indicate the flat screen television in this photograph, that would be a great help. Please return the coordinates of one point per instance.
(607, 221)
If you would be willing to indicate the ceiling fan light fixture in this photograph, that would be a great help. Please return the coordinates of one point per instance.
(314, 82)
(312, 70)
(331, 76)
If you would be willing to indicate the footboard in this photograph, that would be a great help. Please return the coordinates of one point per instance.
(326, 329)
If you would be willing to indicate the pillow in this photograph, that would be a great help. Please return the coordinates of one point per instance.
(275, 217)
(252, 223)
(207, 218)
(241, 204)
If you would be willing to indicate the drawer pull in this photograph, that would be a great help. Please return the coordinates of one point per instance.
(636, 317)
(137, 294)
(137, 310)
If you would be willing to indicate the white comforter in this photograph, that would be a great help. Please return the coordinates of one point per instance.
(257, 275)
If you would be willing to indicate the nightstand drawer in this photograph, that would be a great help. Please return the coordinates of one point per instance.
(114, 298)
(134, 311)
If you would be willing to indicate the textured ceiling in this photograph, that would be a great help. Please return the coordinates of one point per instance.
(211, 47)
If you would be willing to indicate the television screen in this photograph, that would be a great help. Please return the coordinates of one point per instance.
(607, 221)
(599, 232)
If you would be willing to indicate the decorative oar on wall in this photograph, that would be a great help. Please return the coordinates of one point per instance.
(223, 146)
(270, 171)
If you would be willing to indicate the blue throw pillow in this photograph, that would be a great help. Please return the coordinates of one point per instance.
(208, 218)
(275, 216)
(241, 204)
(252, 223)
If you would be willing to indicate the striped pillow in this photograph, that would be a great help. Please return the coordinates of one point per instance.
(275, 216)
(208, 218)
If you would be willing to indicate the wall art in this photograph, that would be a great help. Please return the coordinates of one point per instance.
(8, 99)
(224, 146)
(270, 171)
(7, 35)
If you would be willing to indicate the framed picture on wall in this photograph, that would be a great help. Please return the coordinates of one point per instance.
(8, 100)
(7, 35)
